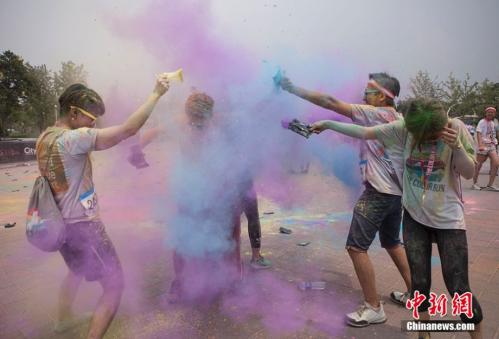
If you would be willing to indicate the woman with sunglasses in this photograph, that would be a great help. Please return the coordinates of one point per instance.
(63, 154)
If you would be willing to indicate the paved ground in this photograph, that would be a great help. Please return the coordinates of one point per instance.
(268, 304)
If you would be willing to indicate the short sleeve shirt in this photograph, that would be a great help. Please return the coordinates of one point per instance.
(375, 165)
(69, 170)
(431, 193)
(487, 130)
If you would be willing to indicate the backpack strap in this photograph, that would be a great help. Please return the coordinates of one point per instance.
(51, 146)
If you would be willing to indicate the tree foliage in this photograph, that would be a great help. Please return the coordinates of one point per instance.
(28, 94)
(69, 74)
(462, 97)
(42, 98)
(14, 85)
(423, 86)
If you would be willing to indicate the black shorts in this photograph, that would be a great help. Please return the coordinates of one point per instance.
(89, 252)
(375, 212)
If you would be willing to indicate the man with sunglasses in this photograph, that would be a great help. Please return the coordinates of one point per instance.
(379, 208)
(63, 154)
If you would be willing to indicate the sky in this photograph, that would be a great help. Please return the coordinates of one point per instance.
(400, 37)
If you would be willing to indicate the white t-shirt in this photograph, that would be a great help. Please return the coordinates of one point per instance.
(70, 171)
(487, 129)
(439, 205)
(375, 164)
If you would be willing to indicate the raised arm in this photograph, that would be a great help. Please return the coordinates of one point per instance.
(326, 101)
(352, 130)
(111, 136)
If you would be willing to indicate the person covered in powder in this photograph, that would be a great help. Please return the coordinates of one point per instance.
(199, 110)
(87, 251)
(487, 148)
(379, 208)
(211, 189)
(432, 151)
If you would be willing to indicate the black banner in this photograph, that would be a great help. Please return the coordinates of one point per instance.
(17, 150)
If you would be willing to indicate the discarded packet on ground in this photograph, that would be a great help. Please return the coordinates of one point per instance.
(299, 127)
(285, 230)
(303, 243)
(312, 285)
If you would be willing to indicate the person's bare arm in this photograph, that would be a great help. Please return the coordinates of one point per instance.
(463, 161)
(352, 130)
(111, 136)
(320, 99)
(481, 147)
(149, 135)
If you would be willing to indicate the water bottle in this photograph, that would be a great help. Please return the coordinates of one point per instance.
(312, 285)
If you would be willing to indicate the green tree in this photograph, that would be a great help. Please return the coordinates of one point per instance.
(460, 96)
(42, 99)
(14, 84)
(423, 86)
(488, 95)
(69, 74)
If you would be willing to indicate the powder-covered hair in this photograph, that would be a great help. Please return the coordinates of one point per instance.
(83, 97)
(199, 104)
(424, 119)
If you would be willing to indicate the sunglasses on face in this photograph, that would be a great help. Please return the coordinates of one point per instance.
(82, 111)
(370, 91)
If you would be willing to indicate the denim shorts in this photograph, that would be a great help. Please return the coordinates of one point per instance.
(375, 212)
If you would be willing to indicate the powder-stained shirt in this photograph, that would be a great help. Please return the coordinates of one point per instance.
(69, 170)
(211, 187)
(431, 193)
(487, 129)
(375, 164)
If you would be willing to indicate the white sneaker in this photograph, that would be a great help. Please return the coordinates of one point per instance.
(366, 315)
(490, 188)
(399, 298)
(475, 187)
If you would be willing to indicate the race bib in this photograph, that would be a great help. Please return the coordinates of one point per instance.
(89, 202)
